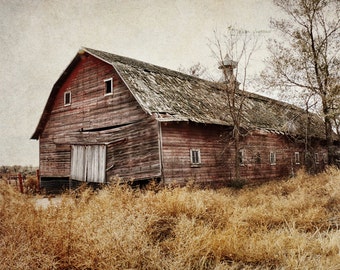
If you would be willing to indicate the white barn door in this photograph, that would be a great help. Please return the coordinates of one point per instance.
(95, 156)
(78, 162)
(88, 163)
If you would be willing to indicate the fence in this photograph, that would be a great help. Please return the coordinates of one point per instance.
(22, 183)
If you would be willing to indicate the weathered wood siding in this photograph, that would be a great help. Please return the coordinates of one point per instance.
(217, 154)
(115, 120)
(178, 139)
(258, 145)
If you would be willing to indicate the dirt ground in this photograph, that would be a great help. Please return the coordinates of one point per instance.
(47, 202)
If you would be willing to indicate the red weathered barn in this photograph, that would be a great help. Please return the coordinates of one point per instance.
(109, 116)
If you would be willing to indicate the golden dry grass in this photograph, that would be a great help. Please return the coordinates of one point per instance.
(290, 224)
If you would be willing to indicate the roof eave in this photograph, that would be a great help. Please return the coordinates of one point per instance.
(112, 63)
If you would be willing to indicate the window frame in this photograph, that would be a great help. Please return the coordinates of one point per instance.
(272, 158)
(258, 158)
(67, 93)
(297, 157)
(324, 158)
(193, 157)
(240, 157)
(110, 81)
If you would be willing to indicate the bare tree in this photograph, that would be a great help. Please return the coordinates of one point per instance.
(4, 169)
(335, 116)
(306, 57)
(233, 52)
(196, 70)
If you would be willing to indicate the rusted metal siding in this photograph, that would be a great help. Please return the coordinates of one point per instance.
(93, 118)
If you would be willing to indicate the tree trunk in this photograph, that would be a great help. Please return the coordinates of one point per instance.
(329, 140)
(237, 150)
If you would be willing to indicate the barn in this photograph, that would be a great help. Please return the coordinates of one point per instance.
(110, 116)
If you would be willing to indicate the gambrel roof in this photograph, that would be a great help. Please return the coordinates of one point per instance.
(173, 96)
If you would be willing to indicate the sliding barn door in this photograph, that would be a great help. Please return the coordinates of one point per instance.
(95, 156)
(78, 163)
(88, 163)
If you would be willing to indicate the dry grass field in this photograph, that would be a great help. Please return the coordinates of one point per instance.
(292, 224)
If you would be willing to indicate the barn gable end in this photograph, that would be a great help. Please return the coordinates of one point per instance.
(93, 118)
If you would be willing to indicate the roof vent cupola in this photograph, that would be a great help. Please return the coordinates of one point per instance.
(227, 66)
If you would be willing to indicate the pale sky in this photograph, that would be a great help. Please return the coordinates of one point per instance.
(39, 38)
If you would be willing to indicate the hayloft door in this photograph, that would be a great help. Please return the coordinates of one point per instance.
(88, 163)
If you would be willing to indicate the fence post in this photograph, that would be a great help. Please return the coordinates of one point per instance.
(38, 180)
(21, 186)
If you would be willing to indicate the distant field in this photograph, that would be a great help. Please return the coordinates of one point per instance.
(292, 224)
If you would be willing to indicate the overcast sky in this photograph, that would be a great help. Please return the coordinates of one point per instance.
(39, 38)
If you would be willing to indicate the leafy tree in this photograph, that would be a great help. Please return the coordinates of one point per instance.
(305, 58)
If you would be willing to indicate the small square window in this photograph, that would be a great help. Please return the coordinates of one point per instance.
(67, 98)
(108, 86)
(195, 157)
(272, 158)
(297, 157)
(258, 158)
(324, 158)
(241, 157)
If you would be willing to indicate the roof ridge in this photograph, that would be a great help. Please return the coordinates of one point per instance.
(159, 69)
(142, 64)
